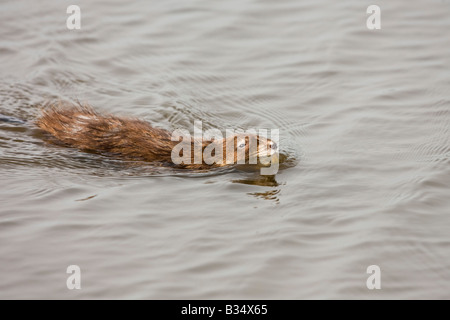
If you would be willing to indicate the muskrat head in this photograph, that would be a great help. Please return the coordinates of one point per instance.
(249, 149)
(239, 149)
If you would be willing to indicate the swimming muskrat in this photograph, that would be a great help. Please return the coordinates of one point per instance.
(81, 127)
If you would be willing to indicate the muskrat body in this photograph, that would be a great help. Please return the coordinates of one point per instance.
(133, 139)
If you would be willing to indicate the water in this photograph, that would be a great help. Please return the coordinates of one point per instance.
(364, 118)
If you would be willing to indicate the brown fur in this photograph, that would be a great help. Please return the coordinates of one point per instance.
(132, 139)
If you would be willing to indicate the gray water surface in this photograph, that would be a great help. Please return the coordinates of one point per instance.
(364, 119)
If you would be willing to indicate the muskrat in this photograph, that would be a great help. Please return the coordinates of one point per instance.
(80, 126)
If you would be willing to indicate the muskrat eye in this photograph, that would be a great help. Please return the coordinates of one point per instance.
(273, 146)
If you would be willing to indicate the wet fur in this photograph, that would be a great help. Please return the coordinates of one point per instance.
(81, 127)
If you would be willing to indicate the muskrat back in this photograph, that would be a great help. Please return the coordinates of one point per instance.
(84, 128)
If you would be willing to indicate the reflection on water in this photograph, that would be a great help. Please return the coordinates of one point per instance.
(268, 195)
(258, 180)
(7, 119)
(263, 181)
(88, 198)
